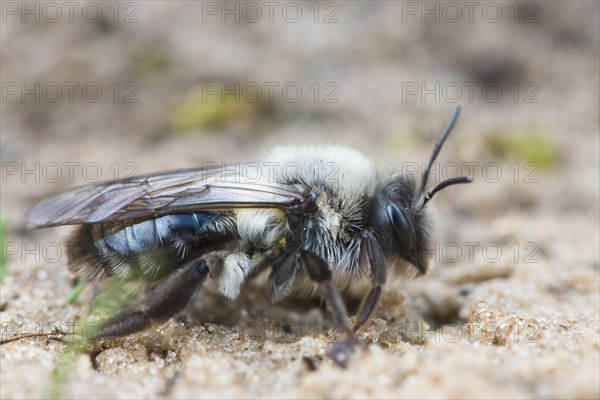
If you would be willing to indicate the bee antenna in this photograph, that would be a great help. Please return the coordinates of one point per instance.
(436, 150)
(438, 146)
(448, 182)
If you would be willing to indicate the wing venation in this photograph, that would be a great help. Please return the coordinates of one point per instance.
(149, 196)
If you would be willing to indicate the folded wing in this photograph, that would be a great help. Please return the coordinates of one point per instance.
(150, 196)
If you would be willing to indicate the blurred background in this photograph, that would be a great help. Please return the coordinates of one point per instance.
(148, 86)
(95, 91)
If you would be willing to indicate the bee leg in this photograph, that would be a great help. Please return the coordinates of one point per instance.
(282, 278)
(159, 304)
(372, 251)
(319, 272)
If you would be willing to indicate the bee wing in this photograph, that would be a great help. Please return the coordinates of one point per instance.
(150, 196)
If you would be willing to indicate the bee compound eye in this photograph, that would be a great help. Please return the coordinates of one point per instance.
(401, 226)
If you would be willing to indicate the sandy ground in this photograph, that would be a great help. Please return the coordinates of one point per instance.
(521, 322)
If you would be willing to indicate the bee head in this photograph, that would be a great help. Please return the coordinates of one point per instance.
(400, 228)
(398, 210)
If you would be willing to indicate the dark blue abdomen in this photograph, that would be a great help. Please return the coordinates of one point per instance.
(152, 248)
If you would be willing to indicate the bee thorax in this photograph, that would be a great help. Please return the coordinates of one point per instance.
(261, 227)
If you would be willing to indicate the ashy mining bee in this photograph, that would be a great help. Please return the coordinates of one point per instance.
(317, 232)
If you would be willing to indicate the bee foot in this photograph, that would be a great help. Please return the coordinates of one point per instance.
(343, 350)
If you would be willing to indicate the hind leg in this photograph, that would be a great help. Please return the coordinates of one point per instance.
(161, 303)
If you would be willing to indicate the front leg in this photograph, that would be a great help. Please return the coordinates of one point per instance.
(373, 255)
(319, 272)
